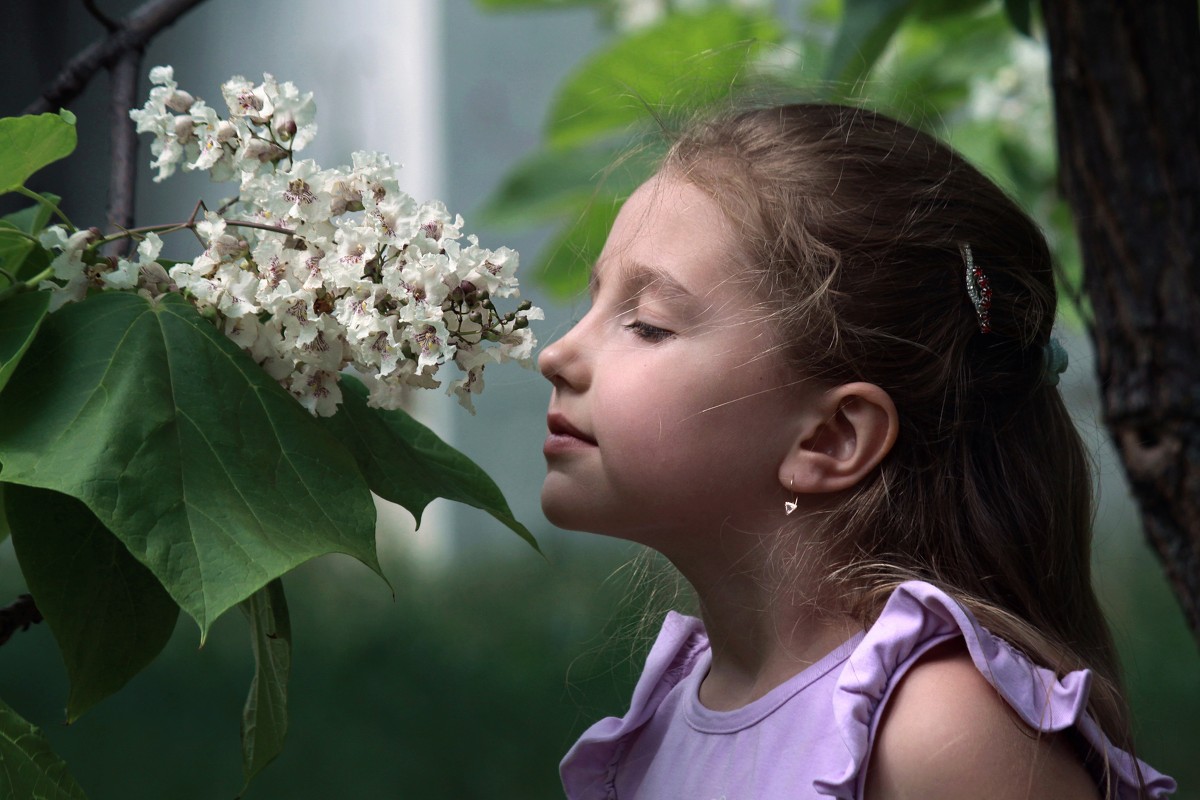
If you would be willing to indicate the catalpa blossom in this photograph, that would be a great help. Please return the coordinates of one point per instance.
(315, 271)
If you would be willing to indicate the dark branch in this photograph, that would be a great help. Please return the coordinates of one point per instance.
(133, 33)
(100, 16)
(20, 615)
(123, 175)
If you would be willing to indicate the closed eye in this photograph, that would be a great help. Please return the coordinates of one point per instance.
(650, 333)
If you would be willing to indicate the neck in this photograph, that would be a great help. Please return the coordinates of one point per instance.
(761, 633)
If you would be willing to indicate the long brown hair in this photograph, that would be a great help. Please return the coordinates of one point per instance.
(854, 225)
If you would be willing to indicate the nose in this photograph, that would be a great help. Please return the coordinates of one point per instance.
(562, 362)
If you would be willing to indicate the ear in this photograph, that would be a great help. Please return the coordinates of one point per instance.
(851, 429)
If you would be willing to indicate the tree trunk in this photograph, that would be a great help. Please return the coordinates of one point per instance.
(1126, 79)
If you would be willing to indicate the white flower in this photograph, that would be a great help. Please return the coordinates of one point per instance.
(351, 272)
(125, 276)
(316, 389)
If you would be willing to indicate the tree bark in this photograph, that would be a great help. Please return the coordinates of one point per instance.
(1126, 78)
(122, 181)
(134, 32)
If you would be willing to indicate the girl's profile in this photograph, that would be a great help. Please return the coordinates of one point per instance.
(817, 374)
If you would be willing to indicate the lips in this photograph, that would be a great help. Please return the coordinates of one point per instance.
(564, 436)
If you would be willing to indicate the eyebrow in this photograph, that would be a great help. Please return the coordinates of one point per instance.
(642, 278)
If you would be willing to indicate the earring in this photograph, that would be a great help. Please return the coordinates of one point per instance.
(790, 505)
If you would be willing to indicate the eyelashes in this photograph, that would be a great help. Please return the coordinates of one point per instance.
(647, 332)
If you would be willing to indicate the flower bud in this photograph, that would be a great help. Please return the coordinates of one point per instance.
(524, 305)
(285, 125)
(264, 151)
(465, 292)
(184, 129)
(180, 101)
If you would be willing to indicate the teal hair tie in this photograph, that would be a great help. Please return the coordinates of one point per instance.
(1054, 362)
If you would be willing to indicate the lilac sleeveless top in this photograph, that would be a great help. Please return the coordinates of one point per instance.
(811, 736)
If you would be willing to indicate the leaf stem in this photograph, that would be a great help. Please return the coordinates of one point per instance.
(19, 233)
(25, 286)
(45, 201)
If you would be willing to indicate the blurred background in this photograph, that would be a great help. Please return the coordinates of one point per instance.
(473, 679)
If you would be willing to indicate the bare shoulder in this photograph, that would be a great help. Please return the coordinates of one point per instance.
(946, 733)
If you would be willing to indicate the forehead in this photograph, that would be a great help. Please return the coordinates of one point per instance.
(670, 231)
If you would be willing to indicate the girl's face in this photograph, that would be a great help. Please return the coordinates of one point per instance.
(672, 409)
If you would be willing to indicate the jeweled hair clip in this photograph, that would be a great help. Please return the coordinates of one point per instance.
(978, 289)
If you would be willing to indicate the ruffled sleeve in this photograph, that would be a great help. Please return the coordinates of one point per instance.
(589, 769)
(918, 617)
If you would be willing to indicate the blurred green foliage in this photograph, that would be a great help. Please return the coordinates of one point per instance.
(958, 68)
(470, 683)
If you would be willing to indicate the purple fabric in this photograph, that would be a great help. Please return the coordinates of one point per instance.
(811, 736)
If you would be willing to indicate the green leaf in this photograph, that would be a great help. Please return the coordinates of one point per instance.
(15, 249)
(109, 615)
(566, 262)
(512, 5)
(407, 463)
(547, 185)
(1020, 14)
(265, 716)
(865, 30)
(5, 531)
(686, 61)
(31, 142)
(552, 184)
(29, 769)
(209, 472)
(34, 218)
(20, 318)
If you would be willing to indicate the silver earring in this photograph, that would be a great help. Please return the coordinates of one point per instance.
(790, 505)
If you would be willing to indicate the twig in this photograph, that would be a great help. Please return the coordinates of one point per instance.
(123, 175)
(21, 614)
(132, 33)
(100, 16)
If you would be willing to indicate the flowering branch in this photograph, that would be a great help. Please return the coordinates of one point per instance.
(133, 33)
(318, 270)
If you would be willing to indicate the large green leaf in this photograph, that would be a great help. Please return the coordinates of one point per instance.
(34, 218)
(209, 472)
(1020, 14)
(407, 463)
(566, 262)
(5, 532)
(547, 185)
(686, 61)
(507, 5)
(265, 716)
(865, 30)
(31, 142)
(552, 184)
(14, 248)
(20, 318)
(109, 615)
(29, 769)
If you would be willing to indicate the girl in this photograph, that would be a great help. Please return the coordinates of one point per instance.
(817, 375)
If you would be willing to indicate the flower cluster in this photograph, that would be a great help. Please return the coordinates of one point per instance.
(313, 271)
